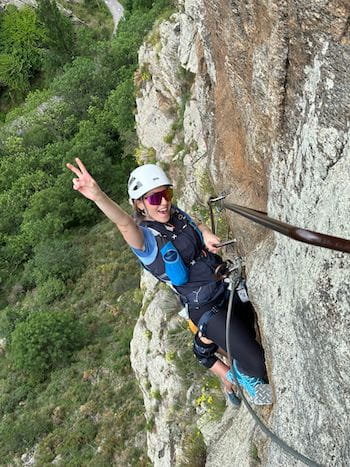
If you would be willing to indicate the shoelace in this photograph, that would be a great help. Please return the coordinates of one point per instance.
(245, 380)
(249, 382)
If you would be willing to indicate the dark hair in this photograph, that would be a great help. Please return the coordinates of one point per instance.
(139, 214)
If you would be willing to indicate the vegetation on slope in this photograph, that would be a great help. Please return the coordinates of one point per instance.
(69, 287)
(87, 407)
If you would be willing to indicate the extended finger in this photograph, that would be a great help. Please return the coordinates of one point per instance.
(74, 169)
(81, 165)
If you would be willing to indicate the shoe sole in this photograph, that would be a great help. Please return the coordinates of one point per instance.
(263, 395)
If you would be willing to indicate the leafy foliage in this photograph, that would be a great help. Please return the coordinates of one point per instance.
(59, 34)
(21, 37)
(55, 384)
(81, 411)
(58, 259)
(90, 114)
(10, 317)
(44, 341)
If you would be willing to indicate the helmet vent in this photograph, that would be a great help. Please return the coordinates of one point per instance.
(137, 186)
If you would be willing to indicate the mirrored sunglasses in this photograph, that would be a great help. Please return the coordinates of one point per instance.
(156, 198)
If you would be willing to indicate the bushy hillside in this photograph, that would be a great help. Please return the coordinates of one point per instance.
(69, 293)
(85, 406)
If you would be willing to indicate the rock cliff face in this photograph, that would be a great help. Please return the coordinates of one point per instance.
(253, 96)
(17, 3)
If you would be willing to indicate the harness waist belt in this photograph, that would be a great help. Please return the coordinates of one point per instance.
(207, 306)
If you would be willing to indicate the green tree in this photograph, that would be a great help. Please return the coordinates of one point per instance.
(121, 107)
(44, 341)
(88, 111)
(122, 103)
(142, 4)
(21, 39)
(59, 31)
(58, 259)
(12, 73)
(85, 82)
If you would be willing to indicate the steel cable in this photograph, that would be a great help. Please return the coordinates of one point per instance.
(291, 231)
(282, 444)
(296, 233)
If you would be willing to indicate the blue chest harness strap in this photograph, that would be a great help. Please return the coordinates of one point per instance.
(176, 270)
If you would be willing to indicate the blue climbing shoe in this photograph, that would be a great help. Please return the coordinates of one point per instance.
(233, 398)
(258, 390)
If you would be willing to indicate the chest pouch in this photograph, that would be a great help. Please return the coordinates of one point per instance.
(175, 268)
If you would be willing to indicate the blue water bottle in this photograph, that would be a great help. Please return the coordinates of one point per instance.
(175, 267)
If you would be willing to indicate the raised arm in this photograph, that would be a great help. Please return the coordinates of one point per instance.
(88, 187)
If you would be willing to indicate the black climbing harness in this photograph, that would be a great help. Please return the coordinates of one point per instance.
(222, 272)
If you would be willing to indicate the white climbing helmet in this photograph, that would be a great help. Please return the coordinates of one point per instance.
(145, 178)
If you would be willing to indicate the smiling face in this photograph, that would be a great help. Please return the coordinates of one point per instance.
(159, 213)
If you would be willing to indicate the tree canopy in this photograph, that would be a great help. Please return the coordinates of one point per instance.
(66, 90)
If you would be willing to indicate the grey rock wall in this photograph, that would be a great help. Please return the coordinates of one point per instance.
(306, 316)
(268, 108)
(159, 383)
(17, 3)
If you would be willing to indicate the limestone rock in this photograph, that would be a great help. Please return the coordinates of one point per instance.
(159, 383)
(33, 3)
(17, 3)
(3, 344)
(159, 93)
(268, 108)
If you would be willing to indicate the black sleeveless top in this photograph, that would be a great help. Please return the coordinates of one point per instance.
(202, 288)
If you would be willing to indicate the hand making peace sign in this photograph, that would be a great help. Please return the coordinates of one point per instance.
(85, 184)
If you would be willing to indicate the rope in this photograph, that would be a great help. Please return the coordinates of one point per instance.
(282, 444)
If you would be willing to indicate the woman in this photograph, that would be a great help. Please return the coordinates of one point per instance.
(177, 251)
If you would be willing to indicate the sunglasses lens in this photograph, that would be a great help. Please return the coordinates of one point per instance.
(156, 198)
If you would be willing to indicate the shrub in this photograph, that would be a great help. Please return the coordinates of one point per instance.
(51, 290)
(56, 259)
(194, 450)
(10, 317)
(21, 433)
(45, 340)
(21, 38)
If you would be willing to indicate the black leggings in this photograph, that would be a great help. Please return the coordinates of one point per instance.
(248, 353)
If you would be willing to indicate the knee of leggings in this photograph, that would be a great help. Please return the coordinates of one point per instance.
(205, 353)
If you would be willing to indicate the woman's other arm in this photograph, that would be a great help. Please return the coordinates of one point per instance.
(210, 239)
